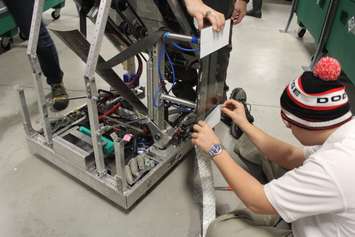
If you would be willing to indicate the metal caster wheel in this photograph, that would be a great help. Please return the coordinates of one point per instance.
(22, 36)
(301, 33)
(6, 43)
(55, 14)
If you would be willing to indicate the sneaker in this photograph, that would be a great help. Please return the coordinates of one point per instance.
(240, 95)
(60, 98)
(254, 13)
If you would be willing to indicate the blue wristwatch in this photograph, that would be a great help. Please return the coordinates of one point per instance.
(215, 150)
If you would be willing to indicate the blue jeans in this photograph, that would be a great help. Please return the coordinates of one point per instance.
(21, 10)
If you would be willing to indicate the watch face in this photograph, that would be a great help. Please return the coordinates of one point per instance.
(215, 150)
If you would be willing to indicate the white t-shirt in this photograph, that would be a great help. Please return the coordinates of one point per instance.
(318, 198)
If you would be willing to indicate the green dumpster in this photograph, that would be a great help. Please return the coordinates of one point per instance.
(341, 43)
(6, 22)
(8, 26)
(311, 14)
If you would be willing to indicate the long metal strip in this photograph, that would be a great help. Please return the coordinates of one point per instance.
(209, 93)
(204, 165)
(90, 83)
(36, 69)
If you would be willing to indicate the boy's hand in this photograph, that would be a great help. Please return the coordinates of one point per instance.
(240, 10)
(236, 111)
(203, 136)
(199, 11)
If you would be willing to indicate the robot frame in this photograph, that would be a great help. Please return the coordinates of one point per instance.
(114, 143)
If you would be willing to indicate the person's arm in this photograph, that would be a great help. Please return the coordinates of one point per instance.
(247, 188)
(240, 10)
(200, 11)
(284, 154)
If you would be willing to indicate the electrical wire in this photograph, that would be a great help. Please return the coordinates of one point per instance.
(160, 58)
(110, 111)
(172, 68)
(138, 74)
(164, 53)
(161, 77)
(140, 66)
(179, 47)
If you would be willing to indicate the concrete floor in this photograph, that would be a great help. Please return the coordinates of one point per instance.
(37, 199)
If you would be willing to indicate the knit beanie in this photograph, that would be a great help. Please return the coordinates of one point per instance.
(317, 100)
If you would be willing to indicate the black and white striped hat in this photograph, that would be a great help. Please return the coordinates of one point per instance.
(317, 100)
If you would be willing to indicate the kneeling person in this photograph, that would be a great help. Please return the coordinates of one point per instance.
(316, 195)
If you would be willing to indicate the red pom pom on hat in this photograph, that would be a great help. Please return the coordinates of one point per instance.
(327, 69)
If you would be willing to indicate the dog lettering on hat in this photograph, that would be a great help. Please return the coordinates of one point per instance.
(335, 98)
(317, 99)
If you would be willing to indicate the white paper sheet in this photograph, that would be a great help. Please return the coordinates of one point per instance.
(211, 40)
(214, 117)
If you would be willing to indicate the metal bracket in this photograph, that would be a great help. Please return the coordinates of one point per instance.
(161, 137)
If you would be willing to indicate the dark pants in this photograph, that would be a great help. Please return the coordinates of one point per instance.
(21, 10)
(257, 4)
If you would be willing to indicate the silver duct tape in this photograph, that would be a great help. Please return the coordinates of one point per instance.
(204, 165)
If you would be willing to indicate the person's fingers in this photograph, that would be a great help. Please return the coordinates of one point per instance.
(239, 19)
(194, 135)
(236, 16)
(218, 21)
(235, 20)
(197, 128)
(229, 101)
(221, 21)
(199, 19)
(202, 123)
(194, 141)
(227, 112)
(231, 104)
(235, 103)
(213, 20)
